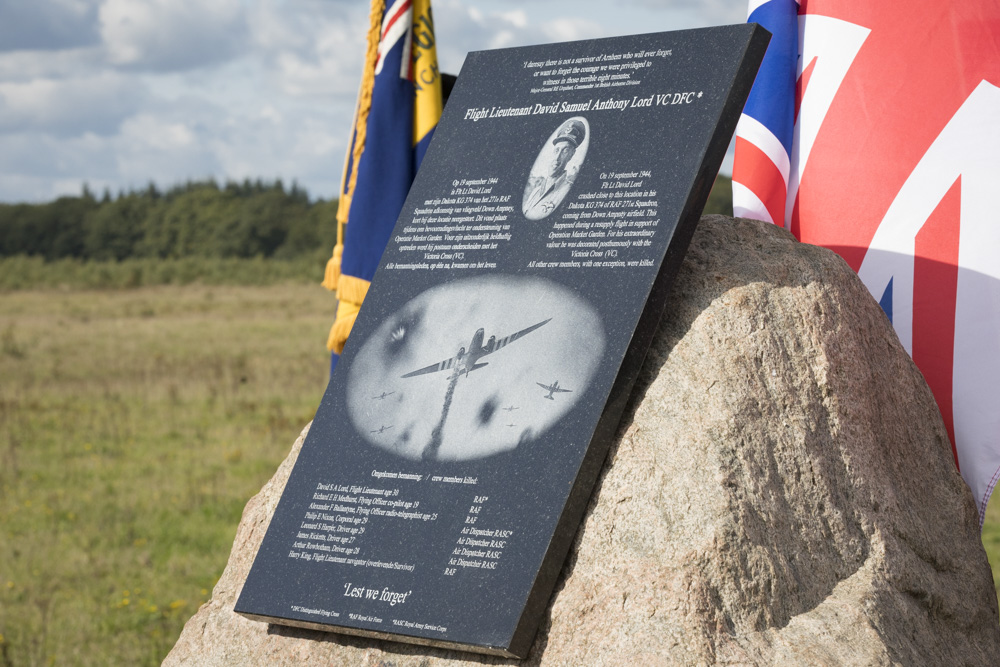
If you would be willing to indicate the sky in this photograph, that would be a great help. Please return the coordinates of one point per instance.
(116, 94)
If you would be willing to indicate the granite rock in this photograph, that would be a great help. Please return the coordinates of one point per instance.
(781, 491)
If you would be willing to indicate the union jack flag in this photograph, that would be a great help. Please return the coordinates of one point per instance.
(876, 134)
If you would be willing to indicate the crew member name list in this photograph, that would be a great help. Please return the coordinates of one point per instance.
(463, 229)
(339, 516)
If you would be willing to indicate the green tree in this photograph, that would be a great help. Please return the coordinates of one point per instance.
(51, 230)
(311, 234)
(721, 198)
(114, 230)
(197, 218)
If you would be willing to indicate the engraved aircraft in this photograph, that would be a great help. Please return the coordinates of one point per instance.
(552, 388)
(381, 397)
(380, 431)
(466, 361)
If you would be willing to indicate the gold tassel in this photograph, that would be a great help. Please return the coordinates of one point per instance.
(347, 290)
(351, 291)
(341, 329)
(360, 132)
(332, 274)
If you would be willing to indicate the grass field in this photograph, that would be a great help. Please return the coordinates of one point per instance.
(134, 426)
(991, 538)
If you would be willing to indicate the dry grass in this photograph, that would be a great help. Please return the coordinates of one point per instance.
(134, 426)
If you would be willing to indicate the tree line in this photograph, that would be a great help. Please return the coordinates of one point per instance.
(195, 219)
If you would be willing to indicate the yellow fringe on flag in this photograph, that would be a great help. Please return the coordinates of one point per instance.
(346, 314)
(351, 292)
(360, 130)
(332, 273)
(358, 134)
(353, 289)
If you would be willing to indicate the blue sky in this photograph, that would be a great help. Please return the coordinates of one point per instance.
(118, 93)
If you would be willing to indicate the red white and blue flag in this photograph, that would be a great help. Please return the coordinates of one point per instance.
(893, 161)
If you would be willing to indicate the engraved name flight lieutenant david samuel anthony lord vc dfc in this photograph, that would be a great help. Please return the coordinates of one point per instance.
(551, 178)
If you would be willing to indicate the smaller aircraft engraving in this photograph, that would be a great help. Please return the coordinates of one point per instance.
(552, 389)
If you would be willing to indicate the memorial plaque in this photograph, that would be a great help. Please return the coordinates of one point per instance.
(453, 455)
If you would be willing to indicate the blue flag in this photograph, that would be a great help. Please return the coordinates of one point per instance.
(399, 106)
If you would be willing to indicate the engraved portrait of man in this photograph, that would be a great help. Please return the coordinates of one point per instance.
(555, 168)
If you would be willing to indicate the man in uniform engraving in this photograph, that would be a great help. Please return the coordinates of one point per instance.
(544, 193)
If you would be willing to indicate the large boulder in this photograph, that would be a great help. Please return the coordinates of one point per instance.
(781, 490)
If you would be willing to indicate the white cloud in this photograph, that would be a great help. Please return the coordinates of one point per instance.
(168, 35)
(570, 29)
(69, 107)
(316, 50)
(516, 18)
(39, 167)
(28, 65)
(709, 12)
(162, 149)
(145, 131)
(307, 146)
(462, 27)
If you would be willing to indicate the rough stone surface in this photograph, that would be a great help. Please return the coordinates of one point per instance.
(781, 491)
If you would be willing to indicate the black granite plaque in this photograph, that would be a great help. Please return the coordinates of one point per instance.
(457, 445)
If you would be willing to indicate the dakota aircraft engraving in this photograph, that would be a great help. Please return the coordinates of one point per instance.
(466, 361)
